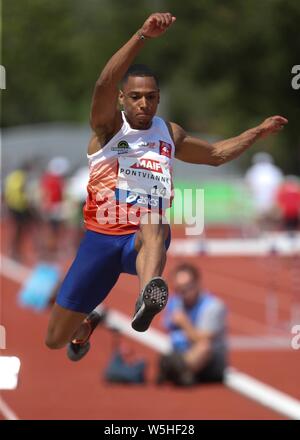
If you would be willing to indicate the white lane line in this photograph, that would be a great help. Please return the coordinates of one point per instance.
(7, 412)
(235, 380)
(14, 270)
(263, 394)
(160, 342)
(152, 338)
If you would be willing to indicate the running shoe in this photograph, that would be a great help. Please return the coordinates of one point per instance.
(77, 349)
(151, 301)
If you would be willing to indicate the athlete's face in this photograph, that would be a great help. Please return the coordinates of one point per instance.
(187, 287)
(140, 98)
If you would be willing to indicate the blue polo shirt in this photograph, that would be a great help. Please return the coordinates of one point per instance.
(208, 314)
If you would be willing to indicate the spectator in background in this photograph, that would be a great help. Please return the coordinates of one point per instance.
(196, 322)
(17, 202)
(263, 179)
(288, 200)
(52, 201)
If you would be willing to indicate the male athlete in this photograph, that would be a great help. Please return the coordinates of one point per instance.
(130, 158)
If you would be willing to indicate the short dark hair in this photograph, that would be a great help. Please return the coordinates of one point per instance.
(139, 70)
(186, 267)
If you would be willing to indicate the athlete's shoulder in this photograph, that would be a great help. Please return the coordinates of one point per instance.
(103, 135)
(93, 145)
(177, 133)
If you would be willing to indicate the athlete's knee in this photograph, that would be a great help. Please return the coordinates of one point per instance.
(153, 232)
(54, 340)
(154, 240)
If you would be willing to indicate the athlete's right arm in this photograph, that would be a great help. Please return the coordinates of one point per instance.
(105, 115)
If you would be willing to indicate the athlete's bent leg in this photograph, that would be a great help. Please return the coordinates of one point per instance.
(63, 321)
(62, 327)
(91, 277)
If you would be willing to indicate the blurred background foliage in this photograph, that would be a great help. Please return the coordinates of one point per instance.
(224, 66)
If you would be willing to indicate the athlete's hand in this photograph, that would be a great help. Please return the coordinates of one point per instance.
(272, 125)
(157, 24)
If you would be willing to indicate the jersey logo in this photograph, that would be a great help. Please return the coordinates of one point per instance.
(147, 144)
(148, 164)
(165, 149)
(121, 148)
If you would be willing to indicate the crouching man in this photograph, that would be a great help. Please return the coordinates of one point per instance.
(196, 323)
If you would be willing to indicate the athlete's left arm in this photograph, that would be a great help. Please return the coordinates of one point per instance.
(193, 150)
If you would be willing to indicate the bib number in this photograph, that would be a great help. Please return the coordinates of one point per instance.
(143, 182)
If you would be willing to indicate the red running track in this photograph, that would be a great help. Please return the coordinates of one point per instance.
(52, 387)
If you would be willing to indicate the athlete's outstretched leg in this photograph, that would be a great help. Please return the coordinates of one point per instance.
(150, 264)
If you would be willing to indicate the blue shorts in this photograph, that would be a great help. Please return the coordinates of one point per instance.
(98, 264)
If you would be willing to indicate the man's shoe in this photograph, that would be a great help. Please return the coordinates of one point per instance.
(77, 349)
(151, 301)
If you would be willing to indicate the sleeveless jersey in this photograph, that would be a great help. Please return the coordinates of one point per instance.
(129, 176)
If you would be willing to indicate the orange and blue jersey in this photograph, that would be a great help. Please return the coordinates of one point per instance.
(129, 176)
